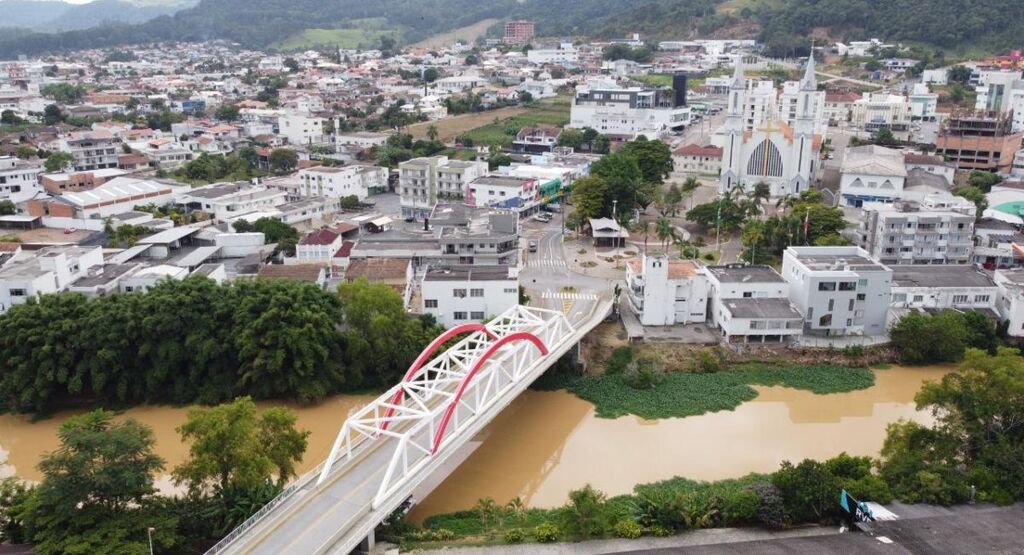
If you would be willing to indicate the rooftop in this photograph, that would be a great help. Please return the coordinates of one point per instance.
(378, 269)
(743, 273)
(939, 275)
(761, 308)
(294, 272)
(477, 273)
(835, 259)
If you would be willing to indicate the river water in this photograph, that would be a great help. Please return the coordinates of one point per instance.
(548, 443)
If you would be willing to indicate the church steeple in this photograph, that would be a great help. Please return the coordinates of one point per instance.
(809, 82)
(738, 80)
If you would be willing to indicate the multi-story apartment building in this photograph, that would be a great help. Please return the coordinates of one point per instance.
(751, 303)
(881, 110)
(301, 129)
(19, 180)
(91, 150)
(518, 32)
(789, 106)
(937, 230)
(628, 111)
(521, 194)
(468, 294)
(663, 292)
(359, 180)
(424, 181)
(979, 141)
(838, 290)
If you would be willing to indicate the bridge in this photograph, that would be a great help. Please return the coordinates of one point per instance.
(390, 446)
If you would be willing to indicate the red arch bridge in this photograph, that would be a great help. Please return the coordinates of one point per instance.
(390, 446)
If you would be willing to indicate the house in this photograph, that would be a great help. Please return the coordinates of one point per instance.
(393, 272)
(19, 180)
(91, 150)
(607, 232)
(231, 201)
(692, 160)
(940, 287)
(750, 303)
(301, 129)
(521, 194)
(59, 183)
(318, 246)
(468, 294)
(663, 292)
(931, 164)
(536, 140)
(48, 270)
(871, 174)
(355, 180)
(838, 290)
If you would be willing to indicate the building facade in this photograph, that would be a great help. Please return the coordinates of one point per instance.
(664, 293)
(461, 295)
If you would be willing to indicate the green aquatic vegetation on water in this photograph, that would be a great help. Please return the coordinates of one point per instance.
(683, 394)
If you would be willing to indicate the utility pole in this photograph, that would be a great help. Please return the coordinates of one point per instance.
(149, 534)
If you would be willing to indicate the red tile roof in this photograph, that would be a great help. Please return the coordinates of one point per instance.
(320, 237)
(698, 150)
(345, 250)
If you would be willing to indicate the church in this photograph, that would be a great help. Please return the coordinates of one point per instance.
(785, 155)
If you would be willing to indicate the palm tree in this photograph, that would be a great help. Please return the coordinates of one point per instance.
(761, 192)
(753, 233)
(665, 231)
(516, 509)
(432, 132)
(645, 228)
(486, 508)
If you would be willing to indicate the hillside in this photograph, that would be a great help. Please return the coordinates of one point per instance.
(54, 15)
(784, 25)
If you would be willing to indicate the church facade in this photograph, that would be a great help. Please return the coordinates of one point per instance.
(785, 155)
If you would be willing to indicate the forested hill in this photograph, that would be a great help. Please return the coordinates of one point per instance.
(993, 25)
(784, 24)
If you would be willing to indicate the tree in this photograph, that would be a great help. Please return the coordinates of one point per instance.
(587, 513)
(665, 231)
(588, 197)
(25, 152)
(654, 158)
(430, 75)
(291, 64)
(58, 162)
(228, 112)
(97, 493)
(283, 159)
(231, 449)
(924, 339)
(7, 208)
(959, 74)
(984, 180)
(622, 174)
(975, 195)
(884, 137)
(525, 97)
(8, 117)
(52, 114)
(432, 132)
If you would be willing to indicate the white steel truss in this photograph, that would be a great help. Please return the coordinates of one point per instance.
(436, 402)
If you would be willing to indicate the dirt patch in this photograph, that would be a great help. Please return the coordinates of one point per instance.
(48, 236)
(468, 34)
(598, 345)
(449, 128)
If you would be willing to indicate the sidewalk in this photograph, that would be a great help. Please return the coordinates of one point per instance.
(693, 538)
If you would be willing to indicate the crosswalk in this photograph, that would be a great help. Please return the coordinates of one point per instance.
(546, 263)
(568, 296)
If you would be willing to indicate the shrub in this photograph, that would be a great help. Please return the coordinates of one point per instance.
(546, 533)
(708, 361)
(643, 373)
(586, 514)
(661, 531)
(709, 257)
(620, 359)
(443, 534)
(628, 529)
(771, 511)
(853, 351)
(515, 535)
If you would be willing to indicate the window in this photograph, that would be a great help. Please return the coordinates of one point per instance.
(918, 298)
(899, 297)
(476, 315)
(476, 292)
(459, 293)
(862, 296)
(851, 305)
(847, 286)
(959, 299)
(511, 290)
(430, 303)
(981, 298)
(459, 315)
(831, 304)
(18, 292)
(827, 286)
(747, 294)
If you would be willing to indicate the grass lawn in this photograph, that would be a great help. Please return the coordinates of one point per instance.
(504, 130)
(684, 394)
(363, 33)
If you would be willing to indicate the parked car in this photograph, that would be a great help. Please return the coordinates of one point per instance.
(533, 246)
(543, 217)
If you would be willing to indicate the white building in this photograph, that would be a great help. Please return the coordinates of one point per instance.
(938, 229)
(231, 201)
(877, 110)
(301, 129)
(318, 246)
(994, 90)
(362, 139)
(959, 287)
(119, 195)
(91, 150)
(521, 194)
(923, 103)
(664, 293)
(838, 290)
(629, 112)
(935, 76)
(782, 155)
(19, 180)
(789, 103)
(871, 174)
(424, 181)
(461, 295)
(566, 53)
(48, 270)
(358, 180)
(145, 278)
(751, 303)
(1010, 304)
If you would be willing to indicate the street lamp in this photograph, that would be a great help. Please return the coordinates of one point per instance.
(615, 204)
(149, 534)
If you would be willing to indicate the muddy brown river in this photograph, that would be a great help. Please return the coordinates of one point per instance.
(548, 443)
